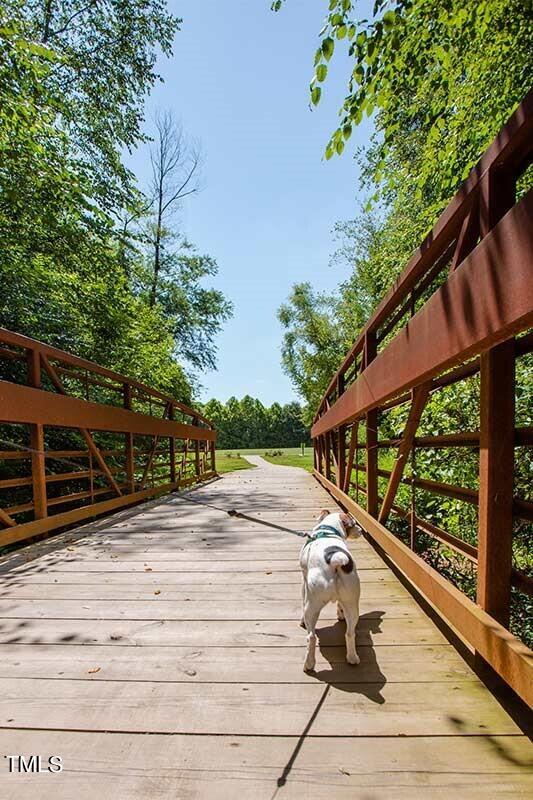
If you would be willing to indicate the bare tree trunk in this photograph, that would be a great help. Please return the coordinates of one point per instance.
(47, 20)
(175, 164)
(157, 241)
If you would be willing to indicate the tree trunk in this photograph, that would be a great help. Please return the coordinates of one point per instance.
(157, 248)
(47, 20)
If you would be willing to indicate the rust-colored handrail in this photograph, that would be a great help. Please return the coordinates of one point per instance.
(59, 391)
(462, 306)
(26, 343)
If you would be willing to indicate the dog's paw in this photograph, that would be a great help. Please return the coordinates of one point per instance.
(302, 623)
(309, 667)
(353, 659)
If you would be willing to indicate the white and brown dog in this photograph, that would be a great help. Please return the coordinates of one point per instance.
(329, 576)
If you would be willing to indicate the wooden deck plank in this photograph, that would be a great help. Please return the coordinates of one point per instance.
(187, 568)
(400, 663)
(158, 608)
(218, 768)
(220, 633)
(176, 619)
(140, 578)
(365, 709)
(284, 593)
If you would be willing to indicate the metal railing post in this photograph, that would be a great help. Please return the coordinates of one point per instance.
(128, 443)
(213, 457)
(341, 440)
(196, 451)
(496, 472)
(370, 352)
(327, 448)
(497, 434)
(172, 448)
(38, 461)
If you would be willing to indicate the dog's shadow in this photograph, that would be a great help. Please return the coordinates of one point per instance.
(365, 678)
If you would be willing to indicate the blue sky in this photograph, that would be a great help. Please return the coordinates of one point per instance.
(238, 81)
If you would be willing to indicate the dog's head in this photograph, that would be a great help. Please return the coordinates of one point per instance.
(343, 522)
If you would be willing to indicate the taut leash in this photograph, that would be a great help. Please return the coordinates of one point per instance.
(322, 532)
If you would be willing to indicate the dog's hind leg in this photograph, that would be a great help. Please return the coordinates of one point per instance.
(340, 612)
(311, 614)
(352, 618)
(304, 593)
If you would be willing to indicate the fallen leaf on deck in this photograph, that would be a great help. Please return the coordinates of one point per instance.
(94, 669)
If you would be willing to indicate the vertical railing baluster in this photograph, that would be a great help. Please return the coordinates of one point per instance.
(412, 519)
(38, 461)
(341, 440)
(327, 438)
(496, 470)
(371, 436)
(128, 444)
(497, 435)
(213, 457)
(196, 422)
(91, 477)
(172, 447)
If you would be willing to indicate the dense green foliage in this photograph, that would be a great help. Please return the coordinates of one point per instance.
(73, 79)
(439, 78)
(431, 69)
(247, 423)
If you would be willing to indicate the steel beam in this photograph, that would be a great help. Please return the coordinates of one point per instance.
(22, 404)
(485, 302)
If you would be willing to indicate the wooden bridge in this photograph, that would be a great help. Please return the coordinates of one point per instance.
(177, 621)
(157, 651)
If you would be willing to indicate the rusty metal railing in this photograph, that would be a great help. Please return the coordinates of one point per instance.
(462, 307)
(78, 440)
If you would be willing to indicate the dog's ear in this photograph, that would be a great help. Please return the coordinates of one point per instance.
(323, 513)
(353, 530)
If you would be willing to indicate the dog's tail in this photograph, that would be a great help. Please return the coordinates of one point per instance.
(338, 558)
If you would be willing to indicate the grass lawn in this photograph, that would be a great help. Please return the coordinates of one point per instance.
(290, 459)
(231, 463)
(229, 460)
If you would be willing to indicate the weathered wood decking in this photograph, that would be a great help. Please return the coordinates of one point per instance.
(177, 621)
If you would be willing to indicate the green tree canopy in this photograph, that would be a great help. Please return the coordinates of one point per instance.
(439, 79)
(73, 80)
(247, 423)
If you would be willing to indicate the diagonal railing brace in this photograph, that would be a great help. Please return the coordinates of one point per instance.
(419, 399)
(56, 380)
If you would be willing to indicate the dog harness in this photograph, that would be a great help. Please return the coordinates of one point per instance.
(323, 532)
